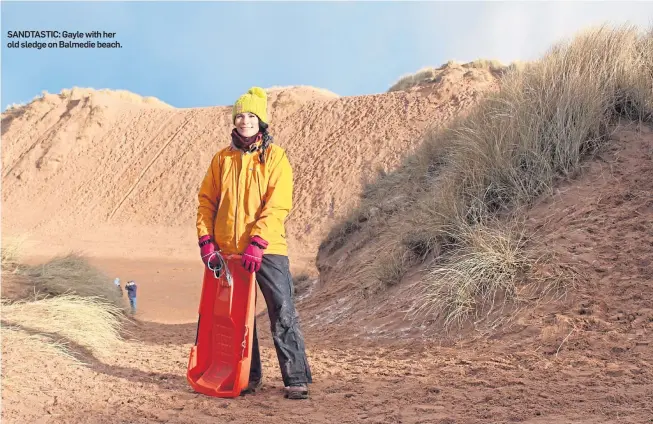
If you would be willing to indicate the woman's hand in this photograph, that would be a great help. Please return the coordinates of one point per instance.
(253, 255)
(207, 248)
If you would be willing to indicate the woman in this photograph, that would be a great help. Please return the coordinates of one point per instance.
(244, 200)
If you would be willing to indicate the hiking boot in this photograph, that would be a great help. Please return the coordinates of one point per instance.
(297, 392)
(252, 387)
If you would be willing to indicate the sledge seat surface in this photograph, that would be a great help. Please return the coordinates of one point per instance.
(220, 360)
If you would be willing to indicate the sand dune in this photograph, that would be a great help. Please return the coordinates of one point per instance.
(101, 171)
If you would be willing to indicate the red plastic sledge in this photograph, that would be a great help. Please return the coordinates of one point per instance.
(220, 360)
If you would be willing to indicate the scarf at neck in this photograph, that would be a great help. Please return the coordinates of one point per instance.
(244, 143)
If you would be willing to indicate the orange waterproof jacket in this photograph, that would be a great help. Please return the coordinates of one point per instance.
(240, 197)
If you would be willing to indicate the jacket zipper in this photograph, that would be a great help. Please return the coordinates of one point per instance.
(237, 202)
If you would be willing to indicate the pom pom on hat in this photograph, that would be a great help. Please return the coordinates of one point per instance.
(258, 92)
(254, 101)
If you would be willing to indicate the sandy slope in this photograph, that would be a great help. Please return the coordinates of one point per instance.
(103, 172)
(598, 225)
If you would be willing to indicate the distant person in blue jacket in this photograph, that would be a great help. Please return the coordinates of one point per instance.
(131, 294)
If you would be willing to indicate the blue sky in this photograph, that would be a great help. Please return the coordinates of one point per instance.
(196, 54)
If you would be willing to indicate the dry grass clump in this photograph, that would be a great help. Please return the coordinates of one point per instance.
(37, 344)
(485, 271)
(429, 75)
(11, 248)
(513, 147)
(422, 76)
(71, 321)
(54, 326)
(72, 274)
(491, 64)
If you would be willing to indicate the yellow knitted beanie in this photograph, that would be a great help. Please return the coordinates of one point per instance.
(254, 101)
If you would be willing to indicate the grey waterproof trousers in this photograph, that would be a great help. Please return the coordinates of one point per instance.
(277, 287)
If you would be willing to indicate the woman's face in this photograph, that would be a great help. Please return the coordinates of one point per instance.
(246, 124)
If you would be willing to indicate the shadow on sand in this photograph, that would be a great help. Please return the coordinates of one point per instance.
(166, 381)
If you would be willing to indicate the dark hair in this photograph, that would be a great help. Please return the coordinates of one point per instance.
(267, 139)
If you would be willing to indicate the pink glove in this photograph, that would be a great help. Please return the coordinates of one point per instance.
(207, 247)
(254, 254)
